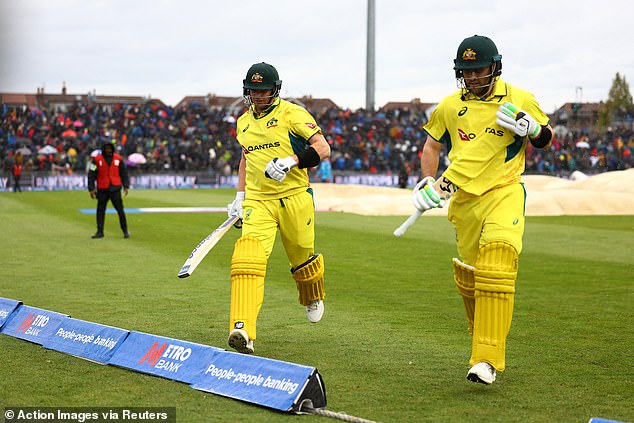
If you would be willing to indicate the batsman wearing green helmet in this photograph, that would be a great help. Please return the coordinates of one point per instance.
(280, 141)
(485, 126)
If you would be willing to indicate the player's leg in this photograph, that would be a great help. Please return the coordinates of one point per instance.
(117, 203)
(248, 270)
(297, 230)
(468, 225)
(465, 282)
(495, 276)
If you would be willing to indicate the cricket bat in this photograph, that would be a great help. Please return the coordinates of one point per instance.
(444, 187)
(204, 246)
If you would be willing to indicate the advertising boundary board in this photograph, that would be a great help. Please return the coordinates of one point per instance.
(32, 324)
(259, 380)
(161, 356)
(7, 306)
(87, 340)
(275, 384)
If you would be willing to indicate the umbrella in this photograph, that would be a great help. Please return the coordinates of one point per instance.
(69, 133)
(582, 144)
(137, 158)
(24, 151)
(46, 150)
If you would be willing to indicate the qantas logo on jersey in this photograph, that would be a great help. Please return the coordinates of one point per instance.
(311, 125)
(498, 132)
(264, 146)
(464, 136)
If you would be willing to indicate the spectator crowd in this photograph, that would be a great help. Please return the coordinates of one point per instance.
(157, 139)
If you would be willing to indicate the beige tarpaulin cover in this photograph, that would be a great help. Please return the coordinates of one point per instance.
(610, 193)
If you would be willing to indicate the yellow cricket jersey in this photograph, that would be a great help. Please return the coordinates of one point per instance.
(483, 155)
(281, 132)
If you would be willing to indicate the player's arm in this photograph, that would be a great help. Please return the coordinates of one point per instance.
(430, 157)
(235, 207)
(429, 193)
(545, 138)
(321, 146)
(318, 149)
(242, 173)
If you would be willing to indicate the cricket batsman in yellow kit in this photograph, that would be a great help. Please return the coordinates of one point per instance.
(280, 141)
(485, 126)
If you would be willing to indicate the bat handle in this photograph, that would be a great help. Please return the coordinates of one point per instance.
(398, 232)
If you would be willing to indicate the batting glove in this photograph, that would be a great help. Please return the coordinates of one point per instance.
(278, 168)
(235, 208)
(518, 121)
(425, 197)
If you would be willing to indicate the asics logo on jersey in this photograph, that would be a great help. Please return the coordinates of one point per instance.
(271, 123)
(245, 128)
(264, 146)
(462, 111)
(464, 136)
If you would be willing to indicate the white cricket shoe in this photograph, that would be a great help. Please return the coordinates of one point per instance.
(239, 341)
(482, 373)
(315, 311)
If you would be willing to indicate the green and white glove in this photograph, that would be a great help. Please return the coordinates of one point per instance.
(518, 121)
(425, 197)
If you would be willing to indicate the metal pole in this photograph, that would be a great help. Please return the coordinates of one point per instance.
(370, 60)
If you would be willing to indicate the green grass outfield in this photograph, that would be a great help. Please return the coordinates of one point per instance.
(393, 344)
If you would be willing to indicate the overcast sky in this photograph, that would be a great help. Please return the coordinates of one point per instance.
(561, 51)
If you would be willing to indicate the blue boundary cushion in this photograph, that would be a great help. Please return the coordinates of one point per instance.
(263, 381)
(600, 420)
(7, 306)
(33, 324)
(166, 357)
(88, 340)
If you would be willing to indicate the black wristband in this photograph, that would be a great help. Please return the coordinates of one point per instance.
(308, 158)
(544, 138)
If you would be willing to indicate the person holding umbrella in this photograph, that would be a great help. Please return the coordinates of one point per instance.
(108, 171)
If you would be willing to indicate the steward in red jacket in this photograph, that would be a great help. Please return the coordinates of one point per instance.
(110, 174)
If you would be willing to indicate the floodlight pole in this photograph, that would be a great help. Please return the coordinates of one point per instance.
(370, 60)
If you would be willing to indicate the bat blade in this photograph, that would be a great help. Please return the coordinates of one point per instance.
(204, 246)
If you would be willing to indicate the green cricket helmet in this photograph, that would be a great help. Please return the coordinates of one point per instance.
(262, 76)
(475, 53)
